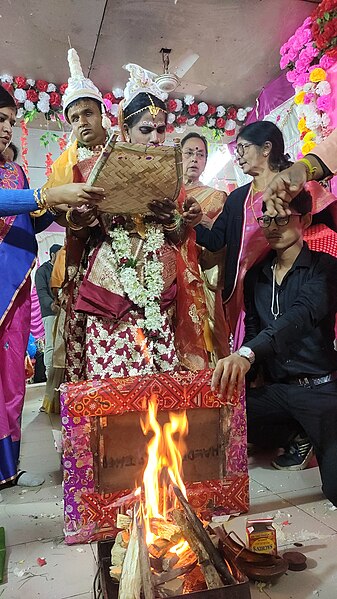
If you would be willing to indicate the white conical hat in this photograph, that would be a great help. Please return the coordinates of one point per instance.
(141, 81)
(78, 85)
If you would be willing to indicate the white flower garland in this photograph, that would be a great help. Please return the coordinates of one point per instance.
(83, 153)
(147, 296)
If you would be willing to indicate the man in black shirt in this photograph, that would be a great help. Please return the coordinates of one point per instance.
(290, 301)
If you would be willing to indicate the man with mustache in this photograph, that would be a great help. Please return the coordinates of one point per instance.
(290, 302)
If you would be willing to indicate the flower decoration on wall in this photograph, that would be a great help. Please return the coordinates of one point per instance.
(34, 97)
(307, 56)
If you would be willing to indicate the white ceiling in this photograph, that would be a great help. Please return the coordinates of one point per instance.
(238, 40)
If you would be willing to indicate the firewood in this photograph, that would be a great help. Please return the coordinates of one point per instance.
(169, 561)
(212, 578)
(171, 589)
(144, 561)
(130, 582)
(172, 574)
(159, 547)
(201, 535)
(187, 558)
(165, 530)
(118, 551)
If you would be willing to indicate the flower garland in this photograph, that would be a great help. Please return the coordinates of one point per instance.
(24, 147)
(34, 97)
(147, 296)
(307, 55)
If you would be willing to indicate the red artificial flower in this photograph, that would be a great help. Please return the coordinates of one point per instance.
(21, 82)
(32, 95)
(8, 87)
(169, 128)
(230, 132)
(193, 109)
(63, 88)
(201, 121)
(211, 110)
(113, 119)
(181, 119)
(232, 113)
(171, 105)
(111, 97)
(41, 85)
(55, 99)
(220, 123)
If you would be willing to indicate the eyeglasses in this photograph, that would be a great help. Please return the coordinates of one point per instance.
(240, 149)
(281, 221)
(190, 153)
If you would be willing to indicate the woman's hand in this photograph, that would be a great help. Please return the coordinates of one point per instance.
(283, 188)
(164, 210)
(73, 194)
(192, 214)
(229, 375)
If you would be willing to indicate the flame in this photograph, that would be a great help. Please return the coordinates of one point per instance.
(164, 462)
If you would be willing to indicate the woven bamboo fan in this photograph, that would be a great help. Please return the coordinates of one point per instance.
(134, 174)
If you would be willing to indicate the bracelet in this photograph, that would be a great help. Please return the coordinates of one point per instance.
(176, 224)
(71, 223)
(40, 199)
(309, 168)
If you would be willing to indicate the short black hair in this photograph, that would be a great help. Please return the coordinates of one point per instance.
(195, 136)
(302, 203)
(74, 102)
(54, 249)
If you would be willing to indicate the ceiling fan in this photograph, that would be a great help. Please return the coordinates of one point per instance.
(171, 79)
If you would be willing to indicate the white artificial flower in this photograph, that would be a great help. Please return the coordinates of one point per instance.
(308, 87)
(323, 88)
(325, 120)
(29, 105)
(191, 121)
(164, 96)
(241, 114)
(249, 109)
(220, 110)
(171, 118)
(31, 82)
(179, 105)
(20, 94)
(44, 97)
(118, 92)
(43, 106)
(181, 129)
(230, 125)
(188, 99)
(20, 113)
(202, 107)
(114, 109)
(6, 78)
(211, 122)
(313, 121)
(51, 87)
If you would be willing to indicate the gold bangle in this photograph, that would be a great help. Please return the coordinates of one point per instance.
(176, 224)
(42, 205)
(309, 168)
(71, 223)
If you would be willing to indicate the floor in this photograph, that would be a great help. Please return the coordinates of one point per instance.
(33, 525)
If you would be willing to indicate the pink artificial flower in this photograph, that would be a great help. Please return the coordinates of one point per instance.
(292, 54)
(284, 61)
(309, 97)
(301, 79)
(301, 65)
(291, 76)
(307, 22)
(107, 104)
(284, 49)
(326, 62)
(324, 103)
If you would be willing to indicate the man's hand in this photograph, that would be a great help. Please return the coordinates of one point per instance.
(283, 188)
(229, 375)
(192, 214)
(164, 210)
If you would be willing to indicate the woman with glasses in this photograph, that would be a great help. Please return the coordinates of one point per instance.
(260, 154)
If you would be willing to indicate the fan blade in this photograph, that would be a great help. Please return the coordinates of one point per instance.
(186, 87)
(185, 63)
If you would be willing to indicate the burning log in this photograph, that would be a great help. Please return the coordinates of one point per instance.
(144, 561)
(160, 547)
(212, 578)
(190, 525)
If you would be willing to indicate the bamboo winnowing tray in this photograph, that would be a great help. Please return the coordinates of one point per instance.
(135, 174)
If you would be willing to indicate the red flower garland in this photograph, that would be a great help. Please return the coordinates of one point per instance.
(24, 147)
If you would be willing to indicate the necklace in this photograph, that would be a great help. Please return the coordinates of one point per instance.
(275, 306)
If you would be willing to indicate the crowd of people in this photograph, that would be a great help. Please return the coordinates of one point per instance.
(234, 283)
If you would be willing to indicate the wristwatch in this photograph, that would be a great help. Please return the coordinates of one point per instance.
(246, 352)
